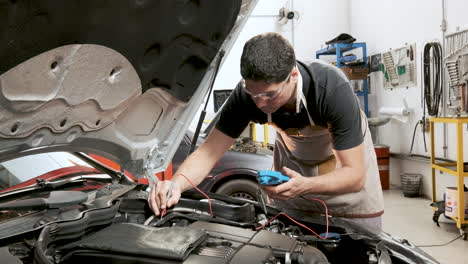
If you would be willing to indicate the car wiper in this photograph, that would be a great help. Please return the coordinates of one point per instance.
(42, 184)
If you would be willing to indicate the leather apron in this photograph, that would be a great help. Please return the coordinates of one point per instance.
(309, 152)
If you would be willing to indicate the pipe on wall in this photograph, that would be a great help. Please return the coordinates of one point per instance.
(443, 28)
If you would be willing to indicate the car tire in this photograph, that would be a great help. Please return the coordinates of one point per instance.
(240, 188)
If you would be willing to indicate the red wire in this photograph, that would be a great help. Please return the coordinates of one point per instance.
(290, 218)
(209, 200)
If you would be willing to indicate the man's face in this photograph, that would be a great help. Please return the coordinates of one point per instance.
(269, 97)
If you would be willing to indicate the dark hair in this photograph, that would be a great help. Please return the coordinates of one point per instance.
(267, 57)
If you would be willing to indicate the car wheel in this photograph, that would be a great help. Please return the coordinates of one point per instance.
(239, 188)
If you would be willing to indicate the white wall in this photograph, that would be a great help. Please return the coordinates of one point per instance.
(391, 24)
(319, 22)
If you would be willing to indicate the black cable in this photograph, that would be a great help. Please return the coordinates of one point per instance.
(432, 94)
(432, 86)
(424, 127)
(441, 245)
(422, 123)
(432, 77)
(424, 134)
(414, 134)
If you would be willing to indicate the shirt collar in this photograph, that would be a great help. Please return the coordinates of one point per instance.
(299, 86)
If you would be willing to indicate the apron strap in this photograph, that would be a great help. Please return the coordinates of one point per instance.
(307, 110)
(300, 97)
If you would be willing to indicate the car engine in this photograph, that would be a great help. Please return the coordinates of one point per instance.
(115, 225)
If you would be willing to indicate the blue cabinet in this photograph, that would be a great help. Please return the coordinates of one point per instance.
(338, 49)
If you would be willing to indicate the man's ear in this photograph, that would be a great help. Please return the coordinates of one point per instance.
(294, 74)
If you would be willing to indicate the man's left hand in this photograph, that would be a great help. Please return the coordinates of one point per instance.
(290, 189)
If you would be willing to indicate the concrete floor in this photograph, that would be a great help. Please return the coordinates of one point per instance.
(411, 218)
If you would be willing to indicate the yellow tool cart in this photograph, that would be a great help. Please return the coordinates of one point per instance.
(454, 168)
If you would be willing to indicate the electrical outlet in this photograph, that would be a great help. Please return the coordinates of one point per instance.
(426, 126)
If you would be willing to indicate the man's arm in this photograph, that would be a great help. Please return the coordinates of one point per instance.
(350, 176)
(196, 167)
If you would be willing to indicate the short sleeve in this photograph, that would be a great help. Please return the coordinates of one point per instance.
(343, 116)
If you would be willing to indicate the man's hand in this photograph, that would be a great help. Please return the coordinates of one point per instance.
(157, 198)
(290, 189)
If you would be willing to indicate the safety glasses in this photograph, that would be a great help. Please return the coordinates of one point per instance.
(270, 95)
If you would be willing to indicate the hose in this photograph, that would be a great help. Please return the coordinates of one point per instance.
(422, 123)
(432, 77)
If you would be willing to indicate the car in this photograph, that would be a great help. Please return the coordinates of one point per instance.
(123, 80)
(82, 210)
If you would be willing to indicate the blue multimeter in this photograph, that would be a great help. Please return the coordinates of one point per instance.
(268, 177)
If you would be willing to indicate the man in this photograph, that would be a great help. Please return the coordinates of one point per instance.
(323, 142)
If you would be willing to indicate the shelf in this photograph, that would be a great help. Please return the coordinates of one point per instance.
(450, 169)
(459, 223)
(360, 93)
(343, 47)
(455, 120)
(348, 58)
(338, 49)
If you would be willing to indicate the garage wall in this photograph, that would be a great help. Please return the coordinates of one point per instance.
(391, 24)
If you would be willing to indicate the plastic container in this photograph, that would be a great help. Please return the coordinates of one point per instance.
(411, 184)
(452, 203)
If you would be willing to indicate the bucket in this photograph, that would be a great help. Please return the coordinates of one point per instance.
(383, 161)
(411, 184)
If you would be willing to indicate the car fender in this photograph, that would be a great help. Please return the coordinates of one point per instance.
(212, 182)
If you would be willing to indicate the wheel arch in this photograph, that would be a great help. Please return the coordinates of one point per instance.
(226, 176)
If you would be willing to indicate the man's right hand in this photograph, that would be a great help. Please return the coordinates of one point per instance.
(198, 164)
(157, 198)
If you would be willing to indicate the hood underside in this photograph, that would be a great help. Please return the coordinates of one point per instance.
(122, 79)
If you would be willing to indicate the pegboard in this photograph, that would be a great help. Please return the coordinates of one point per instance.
(456, 65)
(399, 67)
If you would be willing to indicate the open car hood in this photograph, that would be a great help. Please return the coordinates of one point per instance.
(122, 79)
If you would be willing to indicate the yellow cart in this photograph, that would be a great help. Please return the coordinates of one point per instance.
(454, 168)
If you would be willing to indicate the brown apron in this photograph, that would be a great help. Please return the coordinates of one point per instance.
(309, 152)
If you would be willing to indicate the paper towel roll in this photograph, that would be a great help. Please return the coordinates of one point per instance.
(394, 111)
(399, 113)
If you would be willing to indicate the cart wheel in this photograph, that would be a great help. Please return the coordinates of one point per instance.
(464, 233)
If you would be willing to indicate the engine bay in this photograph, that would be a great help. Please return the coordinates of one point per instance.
(116, 225)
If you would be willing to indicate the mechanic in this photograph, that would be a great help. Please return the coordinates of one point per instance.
(322, 143)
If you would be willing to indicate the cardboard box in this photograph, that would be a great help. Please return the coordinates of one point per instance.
(451, 202)
(355, 73)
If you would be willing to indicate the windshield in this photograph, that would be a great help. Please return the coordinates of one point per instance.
(24, 171)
